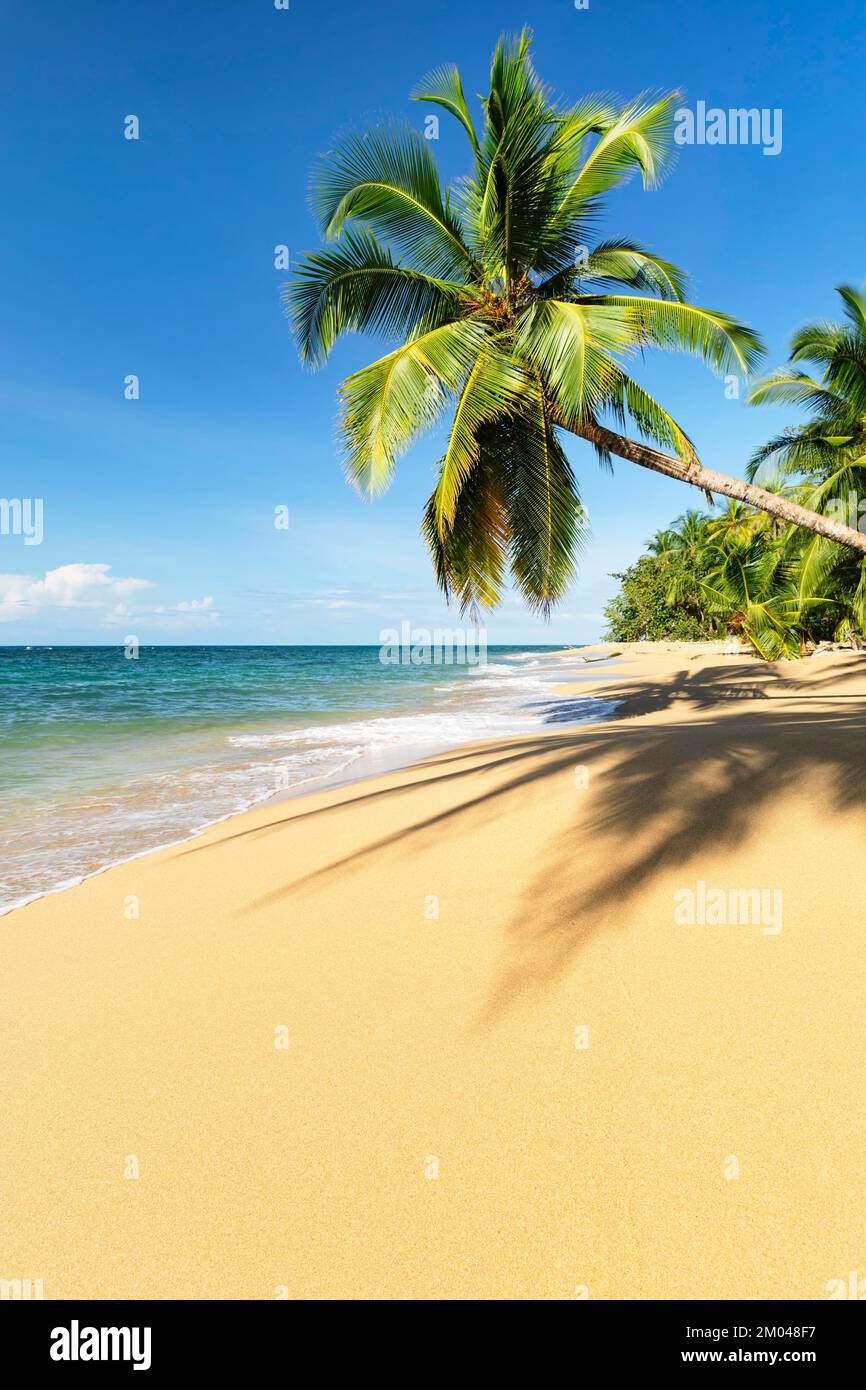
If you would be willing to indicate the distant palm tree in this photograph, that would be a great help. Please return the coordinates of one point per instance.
(753, 587)
(828, 453)
(734, 520)
(505, 312)
(690, 532)
(831, 448)
(664, 543)
(683, 553)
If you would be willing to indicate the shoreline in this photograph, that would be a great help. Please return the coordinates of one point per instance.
(437, 1033)
(371, 763)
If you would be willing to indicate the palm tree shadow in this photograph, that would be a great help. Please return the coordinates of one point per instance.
(666, 797)
(664, 794)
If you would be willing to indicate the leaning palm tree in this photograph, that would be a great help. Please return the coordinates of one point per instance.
(505, 313)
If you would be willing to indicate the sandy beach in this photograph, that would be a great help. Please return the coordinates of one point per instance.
(439, 1035)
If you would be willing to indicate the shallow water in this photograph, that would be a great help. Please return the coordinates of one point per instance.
(104, 757)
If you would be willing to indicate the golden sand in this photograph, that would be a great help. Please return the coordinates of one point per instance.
(509, 1072)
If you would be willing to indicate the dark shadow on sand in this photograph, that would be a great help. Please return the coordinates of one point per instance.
(665, 794)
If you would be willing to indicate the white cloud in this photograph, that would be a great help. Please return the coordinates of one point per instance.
(129, 586)
(189, 613)
(337, 599)
(194, 604)
(337, 603)
(92, 587)
(68, 586)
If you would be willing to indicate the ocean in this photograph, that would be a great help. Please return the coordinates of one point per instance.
(105, 757)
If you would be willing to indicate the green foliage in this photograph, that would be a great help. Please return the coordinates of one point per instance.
(829, 451)
(822, 463)
(737, 572)
(642, 610)
(503, 312)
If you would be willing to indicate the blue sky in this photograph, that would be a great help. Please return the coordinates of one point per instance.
(156, 257)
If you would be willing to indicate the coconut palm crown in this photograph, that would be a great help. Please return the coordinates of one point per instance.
(826, 456)
(829, 451)
(508, 316)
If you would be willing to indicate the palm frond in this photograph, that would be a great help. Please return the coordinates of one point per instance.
(470, 558)
(355, 287)
(792, 452)
(443, 87)
(625, 398)
(626, 263)
(495, 387)
(855, 307)
(571, 346)
(816, 562)
(784, 387)
(547, 523)
(640, 137)
(387, 404)
(718, 339)
(388, 180)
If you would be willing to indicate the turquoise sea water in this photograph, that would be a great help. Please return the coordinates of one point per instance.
(104, 757)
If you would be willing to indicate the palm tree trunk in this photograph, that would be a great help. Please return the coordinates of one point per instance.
(710, 481)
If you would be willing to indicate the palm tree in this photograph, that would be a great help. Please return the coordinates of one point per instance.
(690, 533)
(505, 313)
(826, 455)
(735, 520)
(830, 449)
(663, 544)
(753, 589)
(682, 554)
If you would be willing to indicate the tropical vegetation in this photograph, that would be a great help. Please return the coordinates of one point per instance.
(740, 571)
(509, 317)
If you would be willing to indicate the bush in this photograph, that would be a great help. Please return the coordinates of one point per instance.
(641, 611)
